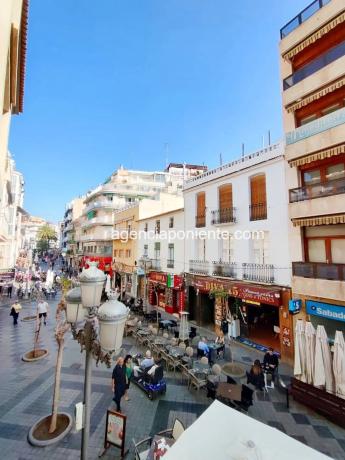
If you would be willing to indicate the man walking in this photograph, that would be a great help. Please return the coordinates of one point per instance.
(15, 309)
(42, 309)
(119, 382)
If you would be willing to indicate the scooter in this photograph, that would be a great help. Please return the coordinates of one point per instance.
(154, 384)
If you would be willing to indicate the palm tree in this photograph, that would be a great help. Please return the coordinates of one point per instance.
(46, 234)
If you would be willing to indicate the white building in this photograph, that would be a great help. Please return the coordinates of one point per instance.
(247, 200)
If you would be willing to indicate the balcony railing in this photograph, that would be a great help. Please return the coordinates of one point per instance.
(302, 16)
(319, 270)
(223, 216)
(319, 63)
(262, 273)
(226, 269)
(258, 211)
(320, 125)
(201, 267)
(102, 220)
(155, 264)
(308, 192)
(200, 221)
(170, 263)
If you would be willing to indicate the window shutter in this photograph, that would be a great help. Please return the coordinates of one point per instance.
(258, 189)
(201, 204)
(225, 196)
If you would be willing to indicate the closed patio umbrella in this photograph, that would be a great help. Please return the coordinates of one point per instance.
(323, 372)
(300, 355)
(310, 352)
(339, 364)
(107, 285)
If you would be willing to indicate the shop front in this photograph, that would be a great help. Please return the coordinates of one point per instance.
(104, 263)
(327, 314)
(261, 313)
(156, 289)
(166, 291)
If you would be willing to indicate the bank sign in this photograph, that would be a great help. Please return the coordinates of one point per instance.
(325, 310)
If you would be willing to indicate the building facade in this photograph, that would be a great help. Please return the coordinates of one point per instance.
(313, 81)
(73, 212)
(238, 258)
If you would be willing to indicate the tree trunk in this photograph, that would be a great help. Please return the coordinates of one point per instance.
(56, 397)
(37, 333)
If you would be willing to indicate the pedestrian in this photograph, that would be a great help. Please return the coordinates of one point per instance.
(129, 371)
(15, 309)
(9, 290)
(119, 382)
(42, 309)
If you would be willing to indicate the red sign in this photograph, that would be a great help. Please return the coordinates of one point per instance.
(181, 301)
(158, 277)
(243, 291)
(178, 281)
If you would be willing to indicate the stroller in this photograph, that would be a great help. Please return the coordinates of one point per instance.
(152, 384)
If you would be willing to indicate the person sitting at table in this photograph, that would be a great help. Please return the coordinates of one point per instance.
(271, 362)
(145, 364)
(203, 349)
(158, 360)
(256, 376)
(220, 341)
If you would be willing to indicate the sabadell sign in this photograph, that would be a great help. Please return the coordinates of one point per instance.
(326, 310)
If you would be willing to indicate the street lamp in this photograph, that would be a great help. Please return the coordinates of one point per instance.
(98, 344)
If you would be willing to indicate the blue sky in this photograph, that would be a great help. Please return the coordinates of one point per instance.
(111, 82)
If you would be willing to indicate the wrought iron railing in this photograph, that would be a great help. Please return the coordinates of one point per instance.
(262, 273)
(223, 216)
(226, 269)
(200, 221)
(201, 267)
(319, 270)
(155, 264)
(258, 211)
(170, 263)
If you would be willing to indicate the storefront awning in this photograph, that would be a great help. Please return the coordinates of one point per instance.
(315, 36)
(321, 220)
(317, 95)
(321, 155)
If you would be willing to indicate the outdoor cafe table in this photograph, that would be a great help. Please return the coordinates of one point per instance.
(229, 392)
(233, 370)
(215, 346)
(144, 332)
(200, 368)
(175, 352)
(156, 439)
(160, 341)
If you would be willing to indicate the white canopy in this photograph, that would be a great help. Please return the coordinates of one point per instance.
(310, 352)
(323, 373)
(222, 433)
(300, 352)
(339, 364)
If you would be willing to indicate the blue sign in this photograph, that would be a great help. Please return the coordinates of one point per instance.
(295, 305)
(325, 310)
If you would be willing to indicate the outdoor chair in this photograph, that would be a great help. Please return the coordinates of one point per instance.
(142, 448)
(195, 382)
(173, 363)
(204, 360)
(182, 345)
(165, 335)
(165, 358)
(174, 432)
(185, 374)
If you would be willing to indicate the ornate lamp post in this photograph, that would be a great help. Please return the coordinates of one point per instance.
(102, 333)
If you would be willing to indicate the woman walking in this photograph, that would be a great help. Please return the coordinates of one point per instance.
(128, 372)
(119, 382)
(15, 309)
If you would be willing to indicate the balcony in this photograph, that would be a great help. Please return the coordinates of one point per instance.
(200, 267)
(223, 216)
(334, 187)
(102, 220)
(319, 270)
(225, 269)
(103, 236)
(155, 264)
(170, 263)
(258, 211)
(200, 221)
(320, 125)
(317, 64)
(305, 14)
(261, 273)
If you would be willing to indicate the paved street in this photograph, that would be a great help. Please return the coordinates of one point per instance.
(26, 394)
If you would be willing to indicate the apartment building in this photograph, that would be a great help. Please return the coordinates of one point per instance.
(130, 261)
(162, 257)
(238, 259)
(123, 188)
(73, 212)
(312, 56)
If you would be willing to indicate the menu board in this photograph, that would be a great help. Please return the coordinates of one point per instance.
(115, 431)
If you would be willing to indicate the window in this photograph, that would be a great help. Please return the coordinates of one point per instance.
(200, 209)
(258, 203)
(158, 226)
(330, 109)
(312, 177)
(128, 253)
(157, 254)
(225, 196)
(170, 261)
(260, 253)
(325, 244)
(115, 252)
(326, 171)
(336, 171)
(171, 222)
(146, 250)
(200, 249)
(307, 119)
(226, 250)
(146, 228)
(120, 253)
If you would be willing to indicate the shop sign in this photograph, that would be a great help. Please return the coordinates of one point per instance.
(295, 305)
(174, 281)
(6, 275)
(158, 277)
(325, 310)
(256, 294)
(208, 285)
